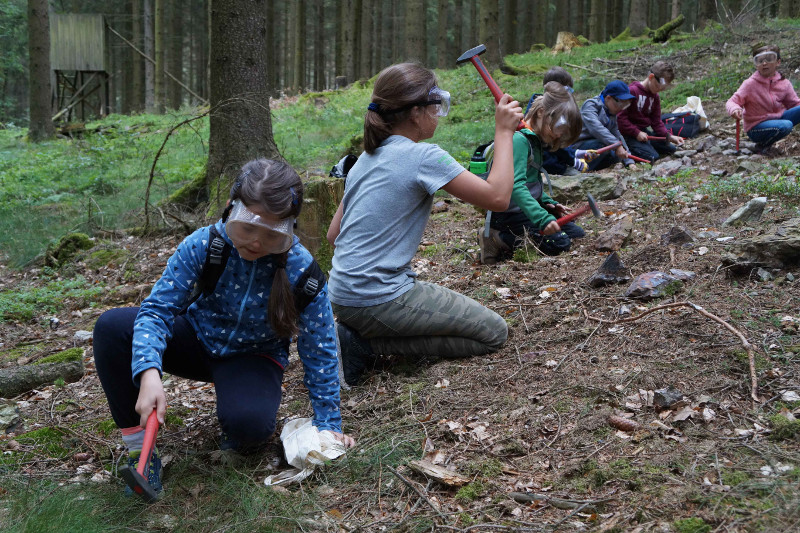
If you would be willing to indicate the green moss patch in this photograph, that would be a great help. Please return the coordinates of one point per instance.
(66, 356)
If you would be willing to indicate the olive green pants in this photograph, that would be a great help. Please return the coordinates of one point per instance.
(428, 320)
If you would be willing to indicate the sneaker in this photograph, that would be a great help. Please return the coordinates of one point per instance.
(153, 472)
(355, 353)
(491, 246)
(571, 171)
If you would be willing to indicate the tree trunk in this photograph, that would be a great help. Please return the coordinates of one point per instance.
(488, 31)
(676, 9)
(137, 99)
(596, 20)
(366, 45)
(39, 86)
(271, 50)
(522, 31)
(319, 45)
(459, 44)
(175, 56)
(507, 45)
(149, 69)
(637, 21)
(539, 22)
(707, 10)
(240, 125)
(161, 39)
(16, 380)
(443, 24)
(348, 41)
(415, 30)
(299, 62)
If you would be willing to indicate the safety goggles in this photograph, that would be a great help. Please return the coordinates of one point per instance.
(623, 104)
(440, 100)
(765, 57)
(245, 227)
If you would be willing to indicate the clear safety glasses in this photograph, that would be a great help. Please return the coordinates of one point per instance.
(765, 57)
(440, 100)
(245, 228)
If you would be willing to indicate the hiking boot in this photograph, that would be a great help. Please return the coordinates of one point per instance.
(571, 171)
(153, 472)
(355, 354)
(491, 246)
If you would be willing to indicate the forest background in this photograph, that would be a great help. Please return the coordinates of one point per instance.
(311, 43)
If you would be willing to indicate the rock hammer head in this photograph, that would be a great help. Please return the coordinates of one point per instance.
(472, 52)
(593, 206)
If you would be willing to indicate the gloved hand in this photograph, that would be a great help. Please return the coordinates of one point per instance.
(588, 155)
(581, 165)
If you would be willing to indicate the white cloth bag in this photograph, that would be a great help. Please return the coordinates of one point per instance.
(305, 448)
(694, 105)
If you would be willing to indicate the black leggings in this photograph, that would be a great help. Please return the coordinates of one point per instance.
(516, 227)
(248, 387)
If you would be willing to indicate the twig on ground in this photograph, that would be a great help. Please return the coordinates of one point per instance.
(745, 343)
(410, 485)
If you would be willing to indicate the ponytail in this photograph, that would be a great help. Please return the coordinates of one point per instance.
(396, 90)
(282, 309)
(557, 107)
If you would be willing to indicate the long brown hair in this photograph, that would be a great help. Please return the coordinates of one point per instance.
(396, 90)
(555, 103)
(277, 189)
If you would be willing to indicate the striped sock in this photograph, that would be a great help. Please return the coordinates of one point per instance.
(133, 439)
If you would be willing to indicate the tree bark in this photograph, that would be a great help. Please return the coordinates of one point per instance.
(175, 56)
(441, 33)
(637, 21)
(676, 8)
(16, 380)
(149, 69)
(488, 31)
(348, 41)
(507, 44)
(299, 62)
(366, 46)
(415, 30)
(319, 45)
(160, 56)
(39, 87)
(596, 20)
(240, 125)
(137, 98)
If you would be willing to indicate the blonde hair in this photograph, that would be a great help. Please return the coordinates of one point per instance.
(556, 104)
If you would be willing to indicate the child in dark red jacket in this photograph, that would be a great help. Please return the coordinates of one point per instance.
(642, 119)
(766, 100)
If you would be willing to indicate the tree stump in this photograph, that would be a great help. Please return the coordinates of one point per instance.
(565, 42)
(320, 201)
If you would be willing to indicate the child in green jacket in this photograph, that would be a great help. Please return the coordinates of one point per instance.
(555, 122)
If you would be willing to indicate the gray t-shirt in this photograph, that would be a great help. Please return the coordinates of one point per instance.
(387, 202)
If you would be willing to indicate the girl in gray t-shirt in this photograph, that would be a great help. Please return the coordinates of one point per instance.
(381, 307)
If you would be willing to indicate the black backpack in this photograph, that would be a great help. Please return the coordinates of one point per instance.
(306, 289)
(342, 168)
(686, 124)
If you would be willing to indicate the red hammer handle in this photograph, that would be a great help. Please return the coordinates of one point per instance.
(149, 443)
(654, 138)
(738, 132)
(609, 147)
(493, 87)
(639, 159)
(572, 216)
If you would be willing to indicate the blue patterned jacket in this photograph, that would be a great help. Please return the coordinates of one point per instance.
(233, 319)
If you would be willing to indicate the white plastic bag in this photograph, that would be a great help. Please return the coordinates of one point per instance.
(694, 105)
(305, 448)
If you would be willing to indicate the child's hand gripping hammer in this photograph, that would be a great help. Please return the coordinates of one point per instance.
(591, 205)
(137, 479)
(738, 133)
(472, 56)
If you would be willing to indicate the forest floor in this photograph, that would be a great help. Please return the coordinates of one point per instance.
(533, 418)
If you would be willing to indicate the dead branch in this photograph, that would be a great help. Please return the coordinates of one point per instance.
(745, 343)
(410, 485)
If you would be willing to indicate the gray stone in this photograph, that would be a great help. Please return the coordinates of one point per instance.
(677, 235)
(9, 416)
(705, 143)
(764, 275)
(714, 150)
(82, 336)
(751, 211)
(573, 189)
(683, 275)
(684, 153)
(615, 237)
(778, 250)
(789, 277)
(613, 270)
(711, 234)
(651, 285)
(668, 168)
(748, 166)
(717, 172)
(667, 398)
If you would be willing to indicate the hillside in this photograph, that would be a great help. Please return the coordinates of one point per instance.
(532, 428)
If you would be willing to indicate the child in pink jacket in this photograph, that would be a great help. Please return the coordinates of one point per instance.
(766, 100)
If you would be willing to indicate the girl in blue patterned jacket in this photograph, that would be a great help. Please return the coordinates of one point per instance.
(237, 336)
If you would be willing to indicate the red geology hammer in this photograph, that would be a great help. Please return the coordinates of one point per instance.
(137, 479)
(472, 56)
(590, 205)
